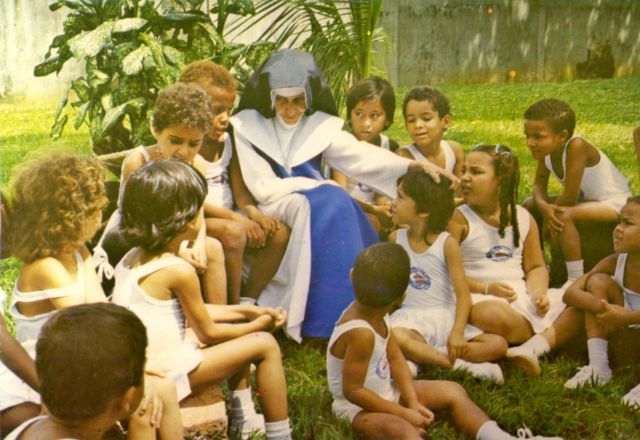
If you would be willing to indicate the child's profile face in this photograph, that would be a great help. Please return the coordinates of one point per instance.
(479, 184)
(179, 142)
(542, 140)
(290, 108)
(403, 208)
(424, 124)
(222, 101)
(626, 235)
(368, 119)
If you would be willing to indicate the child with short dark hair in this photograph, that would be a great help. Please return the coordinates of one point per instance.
(427, 116)
(431, 326)
(90, 375)
(371, 104)
(162, 207)
(182, 115)
(608, 295)
(594, 189)
(367, 373)
(251, 238)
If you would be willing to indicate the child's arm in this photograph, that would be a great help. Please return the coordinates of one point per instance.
(340, 178)
(457, 344)
(536, 274)
(549, 211)
(253, 231)
(132, 162)
(404, 152)
(577, 296)
(16, 358)
(245, 201)
(185, 285)
(458, 152)
(578, 151)
(93, 289)
(359, 345)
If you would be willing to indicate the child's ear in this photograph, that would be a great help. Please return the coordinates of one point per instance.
(446, 121)
(565, 134)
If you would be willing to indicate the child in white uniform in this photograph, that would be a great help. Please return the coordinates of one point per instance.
(593, 189)
(162, 206)
(431, 325)
(504, 263)
(609, 296)
(427, 117)
(367, 373)
(59, 205)
(252, 241)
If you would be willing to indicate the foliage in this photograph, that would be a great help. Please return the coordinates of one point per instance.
(132, 49)
(492, 113)
(341, 35)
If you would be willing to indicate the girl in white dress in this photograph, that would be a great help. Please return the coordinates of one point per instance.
(503, 260)
(431, 325)
(57, 207)
(162, 207)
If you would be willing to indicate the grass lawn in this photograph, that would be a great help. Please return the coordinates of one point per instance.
(607, 111)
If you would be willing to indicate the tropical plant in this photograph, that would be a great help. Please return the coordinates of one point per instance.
(131, 49)
(342, 35)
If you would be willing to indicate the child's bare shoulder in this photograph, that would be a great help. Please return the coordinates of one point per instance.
(404, 152)
(456, 147)
(359, 337)
(43, 273)
(580, 146)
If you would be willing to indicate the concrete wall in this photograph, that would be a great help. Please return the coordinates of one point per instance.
(435, 41)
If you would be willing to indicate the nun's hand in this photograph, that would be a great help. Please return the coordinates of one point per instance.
(435, 172)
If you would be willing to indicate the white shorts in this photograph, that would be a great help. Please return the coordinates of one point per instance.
(433, 324)
(343, 409)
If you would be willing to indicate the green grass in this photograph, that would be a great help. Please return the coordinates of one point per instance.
(607, 111)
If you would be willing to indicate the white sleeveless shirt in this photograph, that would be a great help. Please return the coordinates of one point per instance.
(600, 182)
(631, 298)
(217, 175)
(429, 283)
(449, 156)
(361, 191)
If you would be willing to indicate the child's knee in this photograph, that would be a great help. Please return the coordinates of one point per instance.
(214, 249)
(267, 343)
(165, 387)
(454, 392)
(233, 236)
(600, 284)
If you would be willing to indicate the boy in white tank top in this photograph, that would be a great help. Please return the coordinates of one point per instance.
(427, 117)
(367, 373)
(609, 295)
(593, 188)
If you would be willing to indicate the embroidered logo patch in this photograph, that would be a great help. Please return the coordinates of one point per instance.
(499, 253)
(382, 368)
(364, 188)
(419, 279)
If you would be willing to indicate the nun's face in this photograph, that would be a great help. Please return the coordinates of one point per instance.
(291, 108)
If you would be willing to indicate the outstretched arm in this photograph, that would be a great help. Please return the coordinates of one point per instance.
(536, 274)
(456, 344)
(577, 295)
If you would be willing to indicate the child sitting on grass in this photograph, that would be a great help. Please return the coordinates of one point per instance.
(431, 326)
(90, 360)
(56, 208)
(594, 189)
(162, 207)
(253, 237)
(608, 294)
(182, 115)
(427, 117)
(371, 105)
(367, 373)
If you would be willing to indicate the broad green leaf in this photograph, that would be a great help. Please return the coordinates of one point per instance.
(82, 112)
(71, 4)
(58, 126)
(61, 105)
(116, 114)
(97, 78)
(49, 66)
(133, 63)
(89, 44)
(129, 24)
(81, 89)
(106, 101)
(173, 55)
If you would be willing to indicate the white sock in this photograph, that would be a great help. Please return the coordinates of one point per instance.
(491, 431)
(280, 430)
(598, 354)
(248, 300)
(242, 404)
(575, 269)
(535, 347)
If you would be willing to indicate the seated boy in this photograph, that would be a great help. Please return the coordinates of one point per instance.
(367, 373)
(593, 188)
(90, 375)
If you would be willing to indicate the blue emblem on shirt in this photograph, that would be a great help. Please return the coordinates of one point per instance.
(220, 179)
(382, 368)
(500, 253)
(364, 188)
(419, 279)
